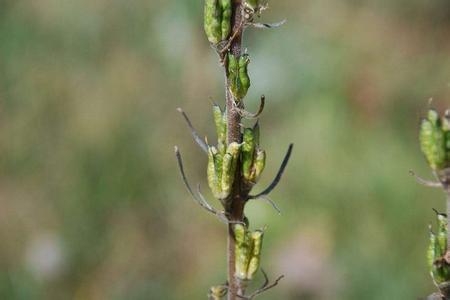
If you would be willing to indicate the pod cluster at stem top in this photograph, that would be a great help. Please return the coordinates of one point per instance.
(435, 140)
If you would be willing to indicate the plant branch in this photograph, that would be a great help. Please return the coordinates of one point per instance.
(424, 182)
(199, 199)
(194, 133)
(277, 178)
(249, 115)
(265, 286)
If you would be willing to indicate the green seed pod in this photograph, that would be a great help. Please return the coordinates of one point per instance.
(217, 292)
(244, 79)
(212, 173)
(437, 270)
(242, 251)
(248, 150)
(256, 237)
(226, 18)
(442, 233)
(446, 128)
(221, 128)
(431, 252)
(229, 168)
(260, 163)
(213, 21)
(233, 66)
(432, 140)
(233, 74)
(227, 176)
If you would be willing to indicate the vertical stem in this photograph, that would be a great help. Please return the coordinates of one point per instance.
(237, 202)
(447, 190)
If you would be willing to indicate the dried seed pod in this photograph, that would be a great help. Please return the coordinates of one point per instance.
(432, 140)
(253, 266)
(248, 151)
(213, 21)
(226, 18)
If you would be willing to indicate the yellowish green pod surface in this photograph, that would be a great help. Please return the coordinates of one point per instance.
(226, 18)
(253, 266)
(213, 21)
(227, 176)
(439, 269)
(217, 292)
(221, 128)
(212, 173)
(432, 141)
(260, 164)
(248, 150)
(229, 168)
(442, 233)
(431, 251)
(242, 251)
(446, 128)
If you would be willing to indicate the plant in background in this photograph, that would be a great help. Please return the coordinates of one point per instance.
(434, 139)
(237, 161)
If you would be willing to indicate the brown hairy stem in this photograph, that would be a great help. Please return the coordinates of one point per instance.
(237, 199)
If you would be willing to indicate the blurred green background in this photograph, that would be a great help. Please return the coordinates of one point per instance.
(91, 202)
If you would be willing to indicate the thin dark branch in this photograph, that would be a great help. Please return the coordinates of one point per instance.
(424, 182)
(194, 133)
(250, 115)
(438, 213)
(277, 178)
(199, 199)
(265, 286)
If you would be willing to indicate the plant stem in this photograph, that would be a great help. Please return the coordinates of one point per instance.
(447, 190)
(235, 210)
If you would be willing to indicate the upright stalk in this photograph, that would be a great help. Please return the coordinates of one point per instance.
(236, 209)
(434, 138)
(237, 161)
